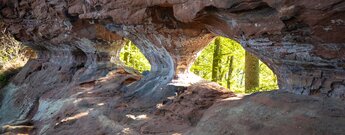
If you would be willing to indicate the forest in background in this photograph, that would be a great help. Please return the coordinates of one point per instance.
(131, 56)
(231, 60)
(222, 61)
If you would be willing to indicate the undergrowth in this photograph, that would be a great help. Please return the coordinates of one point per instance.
(13, 55)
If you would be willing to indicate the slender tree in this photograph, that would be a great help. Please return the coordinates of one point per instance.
(127, 52)
(197, 72)
(228, 80)
(252, 72)
(216, 60)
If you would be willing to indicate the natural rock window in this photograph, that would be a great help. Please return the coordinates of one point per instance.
(78, 84)
(132, 57)
(224, 61)
(13, 56)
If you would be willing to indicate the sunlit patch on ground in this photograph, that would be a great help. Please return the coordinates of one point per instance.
(74, 117)
(138, 117)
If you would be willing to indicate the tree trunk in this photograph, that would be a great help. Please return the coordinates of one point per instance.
(197, 72)
(231, 59)
(252, 71)
(216, 60)
(127, 52)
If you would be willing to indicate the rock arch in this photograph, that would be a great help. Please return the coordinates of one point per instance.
(301, 41)
(282, 34)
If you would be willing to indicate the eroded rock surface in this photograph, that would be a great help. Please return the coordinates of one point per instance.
(301, 41)
(273, 113)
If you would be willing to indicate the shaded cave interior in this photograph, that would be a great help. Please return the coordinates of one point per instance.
(171, 47)
(78, 66)
(135, 62)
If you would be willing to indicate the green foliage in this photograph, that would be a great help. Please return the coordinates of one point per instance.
(203, 67)
(131, 56)
(13, 55)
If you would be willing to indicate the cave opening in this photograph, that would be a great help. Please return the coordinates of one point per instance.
(13, 56)
(226, 62)
(132, 57)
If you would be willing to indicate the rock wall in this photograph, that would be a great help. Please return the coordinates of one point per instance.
(301, 41)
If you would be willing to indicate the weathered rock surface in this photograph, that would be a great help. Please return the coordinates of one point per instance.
(94, 108)
(302, 41)
(98, 108)
(272, 113)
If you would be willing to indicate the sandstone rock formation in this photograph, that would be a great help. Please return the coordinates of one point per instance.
(301, 41)
(273, 113)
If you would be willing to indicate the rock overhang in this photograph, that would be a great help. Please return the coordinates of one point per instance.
(301, 41)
